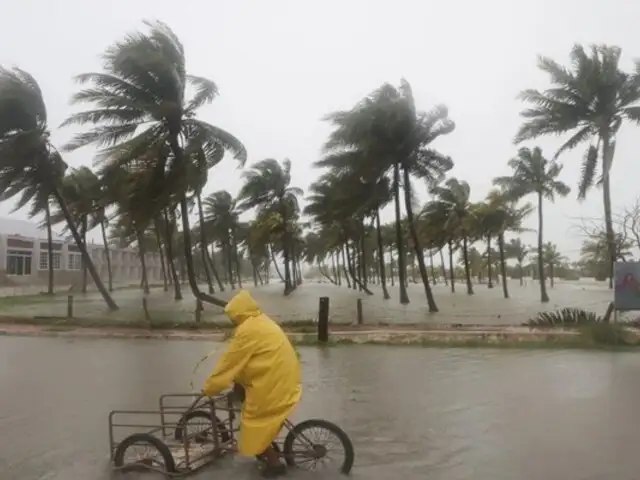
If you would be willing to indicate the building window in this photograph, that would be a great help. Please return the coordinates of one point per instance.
(75, 261)
(44, 260)
(18, 262)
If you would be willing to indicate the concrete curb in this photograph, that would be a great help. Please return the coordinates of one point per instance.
(389, 336)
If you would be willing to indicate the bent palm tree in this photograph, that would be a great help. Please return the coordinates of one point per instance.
(29, 165)
(532, 173)
(141, 106)
(268, 187)
(590, 100)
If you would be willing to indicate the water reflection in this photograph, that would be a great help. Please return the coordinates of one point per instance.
(420, 413)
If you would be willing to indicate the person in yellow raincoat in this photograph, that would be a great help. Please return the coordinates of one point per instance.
(261, 359)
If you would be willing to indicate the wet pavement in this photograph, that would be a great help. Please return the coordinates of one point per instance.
(412, 413)
(486, 307)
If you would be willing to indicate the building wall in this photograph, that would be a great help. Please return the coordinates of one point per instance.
(15, 250)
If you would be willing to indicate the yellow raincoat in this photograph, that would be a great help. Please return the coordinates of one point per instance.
(261, 359)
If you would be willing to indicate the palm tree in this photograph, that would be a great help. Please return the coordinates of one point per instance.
(519, 251)
(533, 173)
(386, 133)
(594, 253)
(221, 220)
(268, 187)
(29, 165)
(500, 215)
(552, 258)
(140, 106)
(451, 204)
(590, 99)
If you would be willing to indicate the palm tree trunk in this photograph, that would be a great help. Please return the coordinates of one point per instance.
(186, 235)
(391, 266)
(83, 250)
(273, 259)
(465, 255)
(434, 279)
(286, 245)
(402, 272)
(352, 271)
(335, 268)
(186, 231)
(156, 229)
(443, 269)
(489, 264)
(203, 244)
(143, 262)
(170, 258)
(49, 248)
(236, 257)
(211, 258)
(85, 227)
(503, 265)
(383, 277)
(521, 269)
(433, 308)
(451, 270)
(607, 158)
(229, 257)
(363, 261)
(543, 288)
(107, 254)
(344, 267)
(551, 275)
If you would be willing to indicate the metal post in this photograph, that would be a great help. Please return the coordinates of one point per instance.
(323, 320)
(359, 311)
(70, 306)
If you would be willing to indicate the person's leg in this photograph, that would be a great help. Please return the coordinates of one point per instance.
(271, 457)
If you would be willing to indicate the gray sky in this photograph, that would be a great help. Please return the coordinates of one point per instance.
(281, 65)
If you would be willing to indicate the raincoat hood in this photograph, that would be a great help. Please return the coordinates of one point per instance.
(241, 307)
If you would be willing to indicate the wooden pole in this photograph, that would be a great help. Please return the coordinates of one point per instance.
(323, 320)
(359, 311)
(199, 309)
(70, 306)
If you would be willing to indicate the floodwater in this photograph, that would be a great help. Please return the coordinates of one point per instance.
(486, 307)
(412, 413)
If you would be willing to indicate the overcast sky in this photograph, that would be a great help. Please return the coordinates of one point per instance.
(282, 65)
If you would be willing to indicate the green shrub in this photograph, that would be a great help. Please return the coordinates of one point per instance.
(565, 317)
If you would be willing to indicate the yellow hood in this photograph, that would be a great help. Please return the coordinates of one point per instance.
(241, 307)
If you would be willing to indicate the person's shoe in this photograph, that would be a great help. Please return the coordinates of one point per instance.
(273, 471)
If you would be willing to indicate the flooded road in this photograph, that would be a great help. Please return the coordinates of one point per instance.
(412, 413)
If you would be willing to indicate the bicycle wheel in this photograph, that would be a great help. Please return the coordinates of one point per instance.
(156, 456)
(305, 449)
(202, 427)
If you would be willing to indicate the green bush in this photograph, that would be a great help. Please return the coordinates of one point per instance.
(565, 317)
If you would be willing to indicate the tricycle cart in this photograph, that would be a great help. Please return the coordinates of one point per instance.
(190, 431)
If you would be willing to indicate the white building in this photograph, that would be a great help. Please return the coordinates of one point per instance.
(24, 258)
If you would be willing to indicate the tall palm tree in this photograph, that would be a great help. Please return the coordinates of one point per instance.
(29, 165)
(267, 186)
(589, 99)
(534, 174)
(140, 106)
(451, 204)
(386, 134)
